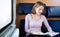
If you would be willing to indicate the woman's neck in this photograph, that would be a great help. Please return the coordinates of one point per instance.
(38, 15)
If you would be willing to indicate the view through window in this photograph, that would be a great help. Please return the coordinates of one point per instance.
(5, 13)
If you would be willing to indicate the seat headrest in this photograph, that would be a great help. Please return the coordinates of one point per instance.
(53, 11)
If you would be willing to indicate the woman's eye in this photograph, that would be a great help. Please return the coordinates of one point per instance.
(39, 9)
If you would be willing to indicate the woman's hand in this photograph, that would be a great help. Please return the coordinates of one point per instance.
(30, 31)
(51, 31)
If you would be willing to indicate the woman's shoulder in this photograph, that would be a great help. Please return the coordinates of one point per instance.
(28, 15)
(43, 16)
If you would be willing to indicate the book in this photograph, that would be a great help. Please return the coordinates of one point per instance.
(47, 33)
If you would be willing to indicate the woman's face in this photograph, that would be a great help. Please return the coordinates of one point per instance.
(39, 10)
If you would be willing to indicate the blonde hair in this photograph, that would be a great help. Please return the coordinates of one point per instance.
(37, 4)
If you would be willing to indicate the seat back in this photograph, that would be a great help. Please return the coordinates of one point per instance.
(22, 32)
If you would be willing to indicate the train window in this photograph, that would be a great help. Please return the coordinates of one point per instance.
(5, 13)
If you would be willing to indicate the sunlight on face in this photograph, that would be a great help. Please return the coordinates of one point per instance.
(39, 10)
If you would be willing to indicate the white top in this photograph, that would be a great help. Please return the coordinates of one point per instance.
(35, 26)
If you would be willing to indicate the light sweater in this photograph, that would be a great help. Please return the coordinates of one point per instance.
(35, 25)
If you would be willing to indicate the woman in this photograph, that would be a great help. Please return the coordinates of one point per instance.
(33, 21)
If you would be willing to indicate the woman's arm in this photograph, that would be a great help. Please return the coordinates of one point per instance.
(47, 25)
(26, 24)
